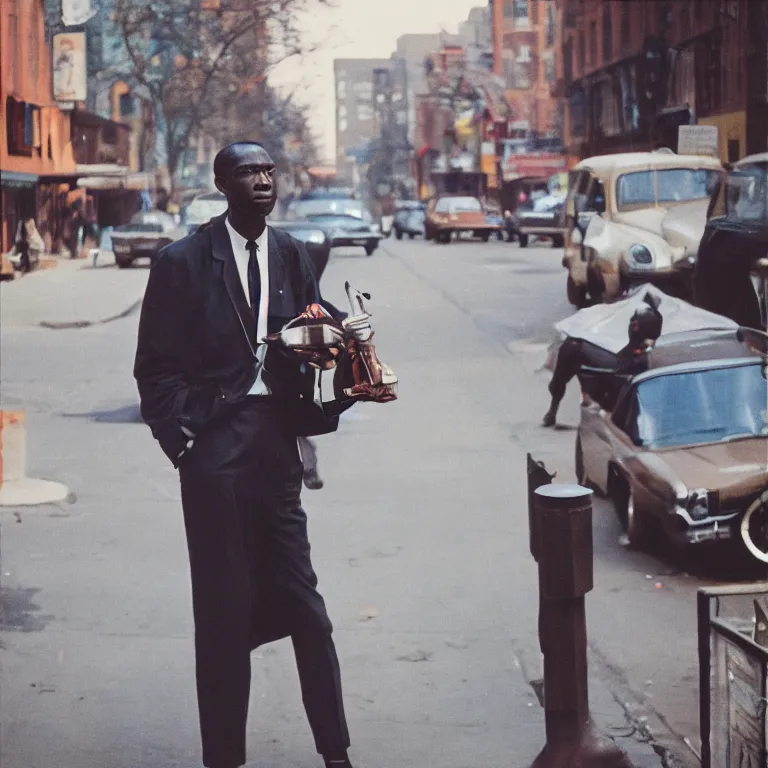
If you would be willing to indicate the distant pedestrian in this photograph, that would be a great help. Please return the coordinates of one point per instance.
(75, 227)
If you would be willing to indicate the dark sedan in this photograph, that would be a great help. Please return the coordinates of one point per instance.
(144, 236)
(541, 218)
(315, 238)
(347, 221)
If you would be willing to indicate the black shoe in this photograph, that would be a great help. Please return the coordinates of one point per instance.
(550, 418)
(312, 480)
(338, 763)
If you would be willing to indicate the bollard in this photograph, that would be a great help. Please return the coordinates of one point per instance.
(561, 541)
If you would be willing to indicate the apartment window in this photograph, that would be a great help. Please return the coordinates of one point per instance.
(582, 50)
(364, 113)
(593, 43)
(509, 9)
(522, 20)
(568, 61)
(13, 45)
(685, 21)
(33, 52)
(550, 25)
(22, 120)
(535, 11)
(607, 33)
(626, 34)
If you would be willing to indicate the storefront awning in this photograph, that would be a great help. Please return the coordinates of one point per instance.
(534, 166)
(18, 180)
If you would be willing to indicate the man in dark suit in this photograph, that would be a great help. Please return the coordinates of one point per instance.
(227, 411)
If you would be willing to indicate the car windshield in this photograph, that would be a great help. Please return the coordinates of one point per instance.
(305, 209)
(458, 205)
(548, 203)
(702, 407)
(747, 194)
(675, 185)
(205, 207)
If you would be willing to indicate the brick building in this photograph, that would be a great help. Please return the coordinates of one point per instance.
(632, 72)
(524, 55)
(35, 142)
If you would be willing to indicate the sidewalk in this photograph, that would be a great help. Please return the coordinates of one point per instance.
(74, 293)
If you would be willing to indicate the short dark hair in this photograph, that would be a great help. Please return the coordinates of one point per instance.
(226, 155)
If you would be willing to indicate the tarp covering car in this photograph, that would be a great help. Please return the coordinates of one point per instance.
(606, 325)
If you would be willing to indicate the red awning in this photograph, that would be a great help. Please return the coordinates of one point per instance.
(541, 165)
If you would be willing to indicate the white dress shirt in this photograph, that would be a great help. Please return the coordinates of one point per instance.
(241, 260)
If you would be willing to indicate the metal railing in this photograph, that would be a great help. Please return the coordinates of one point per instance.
(733, 681)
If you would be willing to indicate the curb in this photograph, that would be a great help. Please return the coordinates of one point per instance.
(16, 489)
(58, 326)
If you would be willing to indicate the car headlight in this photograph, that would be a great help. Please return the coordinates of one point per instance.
(639, 255)
(701, 503)
(376, 227)
(316, 238)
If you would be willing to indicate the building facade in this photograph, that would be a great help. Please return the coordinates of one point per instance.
(356, 124)
(633, 72)
(524, 55)
(35, 141)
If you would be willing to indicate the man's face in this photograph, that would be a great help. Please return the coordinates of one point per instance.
(249, 182)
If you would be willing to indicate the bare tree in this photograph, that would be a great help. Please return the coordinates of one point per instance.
(197, 59)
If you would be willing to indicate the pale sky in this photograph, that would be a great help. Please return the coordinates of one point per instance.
(358, 29)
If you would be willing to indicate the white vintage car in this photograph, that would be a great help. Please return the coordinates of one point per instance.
(635, 218)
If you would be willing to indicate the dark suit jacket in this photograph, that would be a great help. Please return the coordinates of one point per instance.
(196, 353)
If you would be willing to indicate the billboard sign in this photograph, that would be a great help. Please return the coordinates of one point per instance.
(69, 67)
(698, 140)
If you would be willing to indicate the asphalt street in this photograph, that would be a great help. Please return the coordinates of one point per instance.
(420, 539)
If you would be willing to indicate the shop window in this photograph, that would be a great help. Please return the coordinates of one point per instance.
(593, 43)
(607, 33)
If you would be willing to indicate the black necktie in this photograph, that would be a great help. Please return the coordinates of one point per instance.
(254, 279)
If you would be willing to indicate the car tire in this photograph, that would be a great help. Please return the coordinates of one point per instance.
(557, 241)
(444, 238)
(635, 520)
(411, 235)
(577, 295)
(398, 234)
(370, 249)
(485, 236)
(523, 239)
(123, 263)
(595, 284)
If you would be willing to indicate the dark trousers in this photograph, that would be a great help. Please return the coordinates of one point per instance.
(252, 578)
(573, 357)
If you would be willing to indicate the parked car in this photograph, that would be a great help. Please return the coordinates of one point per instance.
(682, 453)
(731, 273)
(144, 237)
(203, 208)
(616, 222)
(316, 239)
(409, 219)
(542, 217)
(349, 223)
(447, 215)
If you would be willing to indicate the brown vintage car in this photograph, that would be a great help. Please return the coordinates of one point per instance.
(449, 214)
(683, 453)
